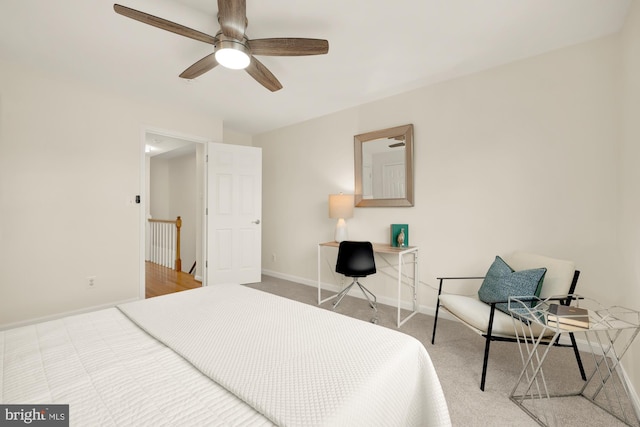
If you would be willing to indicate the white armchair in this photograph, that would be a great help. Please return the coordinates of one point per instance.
(484, 318)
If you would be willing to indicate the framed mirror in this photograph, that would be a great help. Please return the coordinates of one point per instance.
(384, 167)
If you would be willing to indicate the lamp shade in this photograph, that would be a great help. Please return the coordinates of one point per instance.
(340, 205)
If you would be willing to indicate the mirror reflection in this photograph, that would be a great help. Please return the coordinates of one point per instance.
(383, 167)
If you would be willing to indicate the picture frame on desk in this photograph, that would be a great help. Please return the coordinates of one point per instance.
(399, 230)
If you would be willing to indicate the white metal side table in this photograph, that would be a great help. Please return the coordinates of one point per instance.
(608, 336)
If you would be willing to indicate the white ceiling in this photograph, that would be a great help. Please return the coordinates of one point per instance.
(166, 147)
(377, 48)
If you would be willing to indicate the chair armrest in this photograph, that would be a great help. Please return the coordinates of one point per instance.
(442, 279)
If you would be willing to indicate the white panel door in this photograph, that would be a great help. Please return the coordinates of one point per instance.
(234, 229)
(393, 181)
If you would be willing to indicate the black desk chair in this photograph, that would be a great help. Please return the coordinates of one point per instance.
(356, 260)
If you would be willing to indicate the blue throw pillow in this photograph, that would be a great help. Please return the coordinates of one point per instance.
(501, 282)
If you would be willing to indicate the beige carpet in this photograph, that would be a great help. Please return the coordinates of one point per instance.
(457, 356)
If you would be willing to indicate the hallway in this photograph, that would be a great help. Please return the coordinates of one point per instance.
(161, 280)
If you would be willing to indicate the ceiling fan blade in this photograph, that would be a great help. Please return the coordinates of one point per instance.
(288, 47)
(164, 24)
(263, 75)
(199, 68)
(232, 16)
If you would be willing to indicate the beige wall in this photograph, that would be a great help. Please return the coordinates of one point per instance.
(519, 157)
(236, 138)
(627, 294)
(183, 203)
(159, 195)
(174, 192)
(70, 161)
(523, 156)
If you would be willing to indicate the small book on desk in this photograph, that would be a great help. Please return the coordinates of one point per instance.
(561, 315)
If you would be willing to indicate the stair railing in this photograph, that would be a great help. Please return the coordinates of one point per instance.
(163, 242)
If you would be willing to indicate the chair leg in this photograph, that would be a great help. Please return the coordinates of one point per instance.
(435, 323)
(486, 347)
(578, 358)
(343, 293)
(435, 319)
(485, 362)
(366, 291)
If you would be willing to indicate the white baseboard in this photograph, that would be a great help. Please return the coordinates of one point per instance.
(335, 288)
(626, 381)
(63, 314)
(291, 278)
(584, 346)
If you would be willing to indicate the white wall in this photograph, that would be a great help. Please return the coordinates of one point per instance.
(183, 204)
(70, 163)
(236, 138)
(174, 192)
(159, 195)
(178, 190)
(627, 291)
(519, 157)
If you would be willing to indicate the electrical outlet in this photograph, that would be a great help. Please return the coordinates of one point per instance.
(91, 282)
(274, 257)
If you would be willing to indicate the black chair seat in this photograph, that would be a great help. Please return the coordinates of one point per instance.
(356, 260)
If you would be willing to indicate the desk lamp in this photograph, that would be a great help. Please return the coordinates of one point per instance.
(341, 207)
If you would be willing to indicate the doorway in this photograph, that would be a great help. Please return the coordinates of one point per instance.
(228, 211)
(174, 186)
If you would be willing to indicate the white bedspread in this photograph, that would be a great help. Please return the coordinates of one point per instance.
(297, 364)
(111, 373)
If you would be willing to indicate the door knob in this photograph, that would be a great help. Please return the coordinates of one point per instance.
(257, 221)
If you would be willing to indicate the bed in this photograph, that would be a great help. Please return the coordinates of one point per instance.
(221, 355)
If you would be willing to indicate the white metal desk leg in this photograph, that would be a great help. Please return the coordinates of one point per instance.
(320, 258)
(399, 285)
(415, 284)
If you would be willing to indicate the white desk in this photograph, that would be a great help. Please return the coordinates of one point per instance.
(383, 249)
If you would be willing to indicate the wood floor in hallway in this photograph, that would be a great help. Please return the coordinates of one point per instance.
(161, 280)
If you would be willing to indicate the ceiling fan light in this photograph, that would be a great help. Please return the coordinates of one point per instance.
(233, 55)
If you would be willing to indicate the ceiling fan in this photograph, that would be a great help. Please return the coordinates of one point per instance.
(232, 48)
(397, 144)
